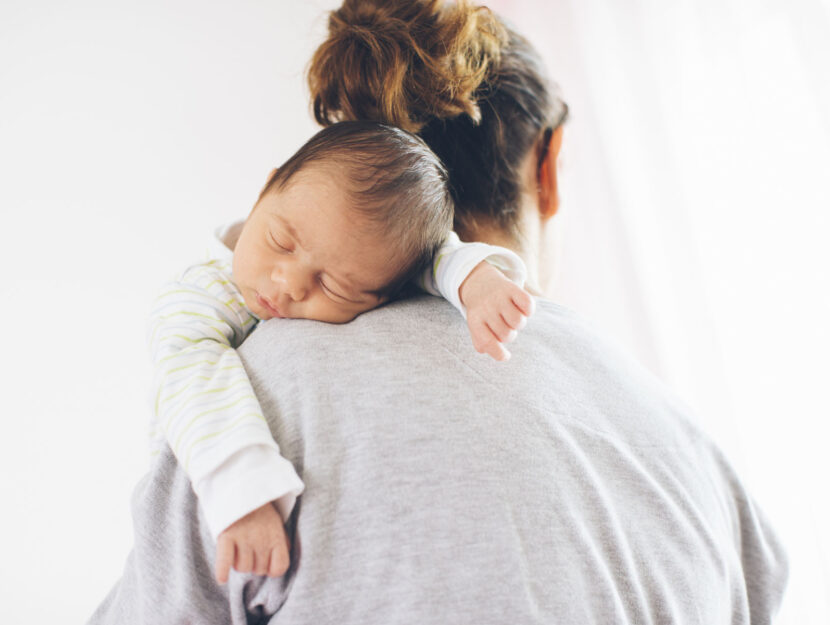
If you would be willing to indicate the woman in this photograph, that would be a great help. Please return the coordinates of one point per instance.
(474, 90)
(567, 486)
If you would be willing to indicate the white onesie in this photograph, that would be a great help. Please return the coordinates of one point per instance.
(203, 404)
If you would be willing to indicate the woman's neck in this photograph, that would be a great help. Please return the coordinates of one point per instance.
(527, 243)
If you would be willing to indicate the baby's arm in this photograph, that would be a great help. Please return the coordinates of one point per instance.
(206, 410)
(492, 300)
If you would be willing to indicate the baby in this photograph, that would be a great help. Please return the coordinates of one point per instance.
(360, 211)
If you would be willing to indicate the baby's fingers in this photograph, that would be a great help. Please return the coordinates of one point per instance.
(225, 550)
(244, 560)
(279, 562)
(523, 301)
(486, 342)
(513, 317)
(497, 351)
(500, 329)
(261, 561)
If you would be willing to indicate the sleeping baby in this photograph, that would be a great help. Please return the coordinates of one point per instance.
(357, 215)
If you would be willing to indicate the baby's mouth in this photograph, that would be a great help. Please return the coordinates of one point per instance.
(268, 306)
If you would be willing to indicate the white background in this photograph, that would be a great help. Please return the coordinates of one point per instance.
(695, 226)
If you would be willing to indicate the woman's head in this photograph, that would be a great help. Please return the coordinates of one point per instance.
(471, 87)
(343, 224)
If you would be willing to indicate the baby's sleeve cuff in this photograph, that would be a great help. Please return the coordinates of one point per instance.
(250, 478)
(508, 262)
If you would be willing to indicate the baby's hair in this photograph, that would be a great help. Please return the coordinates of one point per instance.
(389, 176)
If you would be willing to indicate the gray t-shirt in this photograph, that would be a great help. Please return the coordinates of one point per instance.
(566, 486)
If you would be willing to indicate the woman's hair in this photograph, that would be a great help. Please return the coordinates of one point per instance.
(470, 86)
(391, 178)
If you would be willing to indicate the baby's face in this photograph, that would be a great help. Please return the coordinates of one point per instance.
(305, 254)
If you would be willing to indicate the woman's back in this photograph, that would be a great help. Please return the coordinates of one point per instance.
(565, 486)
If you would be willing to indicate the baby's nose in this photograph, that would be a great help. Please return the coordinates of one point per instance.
(293, 282)
(297, 290)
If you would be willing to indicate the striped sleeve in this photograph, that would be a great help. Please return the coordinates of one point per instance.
(455, 260)
(204, 406)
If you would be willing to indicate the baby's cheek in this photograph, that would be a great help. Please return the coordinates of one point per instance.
(333, 312)
(238, 269)
(351, 313)
(342, 316)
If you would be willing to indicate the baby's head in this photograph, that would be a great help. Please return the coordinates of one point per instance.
(354, 215)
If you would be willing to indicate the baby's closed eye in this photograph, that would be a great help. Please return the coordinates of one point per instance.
(276, 243)
(332, 293)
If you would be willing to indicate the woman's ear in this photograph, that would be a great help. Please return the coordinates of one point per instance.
(548, 176)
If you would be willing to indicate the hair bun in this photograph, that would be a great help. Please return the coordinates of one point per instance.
(403, 62)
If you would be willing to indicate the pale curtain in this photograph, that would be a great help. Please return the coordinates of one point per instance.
(695, 226)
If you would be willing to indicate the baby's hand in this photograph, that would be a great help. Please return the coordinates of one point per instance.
(256, 542)
(496, 309)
